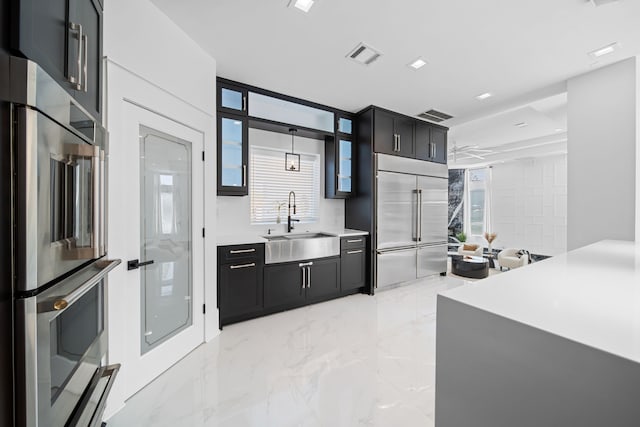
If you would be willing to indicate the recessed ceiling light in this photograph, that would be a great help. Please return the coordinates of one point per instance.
(559, 130)
(483, 96)
(418, 63)
(521, 124)
(605, 50)
(303, 5)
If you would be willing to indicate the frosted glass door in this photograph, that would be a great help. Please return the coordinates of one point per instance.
(165, 236)
(232, 147)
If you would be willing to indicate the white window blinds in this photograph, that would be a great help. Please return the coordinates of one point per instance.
(270, 184)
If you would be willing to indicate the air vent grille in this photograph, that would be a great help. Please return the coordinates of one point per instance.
(364, 54)
(435, 116)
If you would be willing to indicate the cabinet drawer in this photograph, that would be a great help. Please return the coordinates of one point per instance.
(227, 254)
(352, 242)
(352, 269)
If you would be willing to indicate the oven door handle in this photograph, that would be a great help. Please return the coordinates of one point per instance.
(60, 303)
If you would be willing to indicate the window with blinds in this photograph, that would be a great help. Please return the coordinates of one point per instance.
(270, 184)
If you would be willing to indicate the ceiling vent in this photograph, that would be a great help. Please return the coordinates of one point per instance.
(435, 116)
(364, 54)
(597, 3)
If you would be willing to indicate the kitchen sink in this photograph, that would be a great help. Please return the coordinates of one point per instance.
(298, 247)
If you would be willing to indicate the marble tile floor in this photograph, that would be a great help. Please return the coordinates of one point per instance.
(354, 361)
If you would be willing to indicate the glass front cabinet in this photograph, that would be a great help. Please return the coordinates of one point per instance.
(339, 159)
(233, 154)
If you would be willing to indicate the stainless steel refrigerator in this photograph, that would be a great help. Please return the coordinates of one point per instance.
(411, 217)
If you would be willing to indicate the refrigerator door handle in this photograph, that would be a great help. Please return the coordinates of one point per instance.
(419, 215)
(416, 227)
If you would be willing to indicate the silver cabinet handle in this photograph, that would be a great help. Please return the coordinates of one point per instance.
(244, 103)
(233, 267)
(103, 206)
(85, 49)
(241, 251)
(77, 80)
(354, 241)
(417, 223)
(354, 252)
(304, 277)
(305, 264)
(308, 277)
(399, 142)
(244, 175)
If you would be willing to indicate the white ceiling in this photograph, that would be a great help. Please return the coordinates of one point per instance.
(521, 51)
(507, 47)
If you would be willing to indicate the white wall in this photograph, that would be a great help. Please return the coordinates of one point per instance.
(234, 212)
(152, 63)
(530, 204)
(602, 138)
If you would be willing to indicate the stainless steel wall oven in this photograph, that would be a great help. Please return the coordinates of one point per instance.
(59, 246)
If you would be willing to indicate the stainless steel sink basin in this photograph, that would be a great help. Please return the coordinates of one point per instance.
(297, 247)
(306, 236)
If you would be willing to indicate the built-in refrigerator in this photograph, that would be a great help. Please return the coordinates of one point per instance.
(411, 199)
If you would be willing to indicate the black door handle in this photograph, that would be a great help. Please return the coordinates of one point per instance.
(134, 263)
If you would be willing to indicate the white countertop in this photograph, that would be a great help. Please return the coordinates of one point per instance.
(590, 295)
(250, 238)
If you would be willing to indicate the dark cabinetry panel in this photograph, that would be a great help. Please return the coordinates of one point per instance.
(353, 263)
(385, 140)
(284, 285)
(340, 159)
(438, 138)
(240, 282)
(324, 278)
(65, 38)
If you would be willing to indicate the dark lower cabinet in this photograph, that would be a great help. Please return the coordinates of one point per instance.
(294, 284)
(353, 263)
(284, 285)
(240, 282)
(323, 278)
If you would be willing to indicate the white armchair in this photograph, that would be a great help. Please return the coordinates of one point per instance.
(475, 252)
(510, 258)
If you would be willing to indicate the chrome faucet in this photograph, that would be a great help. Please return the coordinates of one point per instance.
(289, 219)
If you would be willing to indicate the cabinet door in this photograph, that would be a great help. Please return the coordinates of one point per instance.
(233, 155)
(240, 289)
(345, 166)
(88, 13)
(323, 278)
(438, 140)
(40, 33)
(384, 135)
(283, 285)
(404, 130)
(352, 269)
(232, 99)
(423, 136)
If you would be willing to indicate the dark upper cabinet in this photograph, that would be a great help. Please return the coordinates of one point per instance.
(233, 155)
(64, 37)
(233, 99)
(323, 278)
(340, 162)
(393, 134)
(438, 139)
(423, 150)
(88, 14)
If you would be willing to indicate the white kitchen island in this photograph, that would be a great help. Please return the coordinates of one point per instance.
(555, 343)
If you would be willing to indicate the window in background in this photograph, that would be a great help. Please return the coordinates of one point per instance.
(477, 201)
(270, 184)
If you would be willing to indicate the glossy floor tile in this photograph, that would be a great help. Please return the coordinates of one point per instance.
(359, 360)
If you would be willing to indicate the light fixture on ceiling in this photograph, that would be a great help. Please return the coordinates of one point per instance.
(303, 5)
(484, 96)
(559, 130)
(364, 54)
(605, 50)
(292, 160)
(418, 63)
(521, 124)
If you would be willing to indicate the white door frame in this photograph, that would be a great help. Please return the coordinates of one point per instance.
(126, 87)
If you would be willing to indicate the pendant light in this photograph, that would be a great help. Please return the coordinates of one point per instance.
(292, 160)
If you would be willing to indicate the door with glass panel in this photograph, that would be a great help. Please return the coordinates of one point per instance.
(165, 268)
